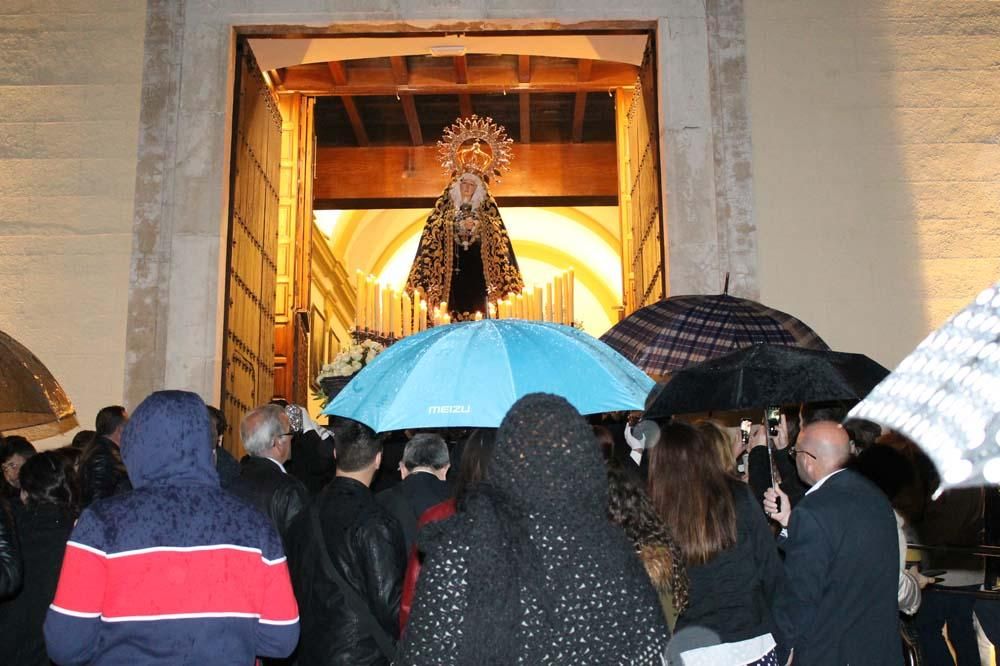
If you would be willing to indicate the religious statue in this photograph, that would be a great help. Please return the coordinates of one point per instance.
(465, 256)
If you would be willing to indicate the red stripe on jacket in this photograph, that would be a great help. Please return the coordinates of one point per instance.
(146, 584)
(439, 511)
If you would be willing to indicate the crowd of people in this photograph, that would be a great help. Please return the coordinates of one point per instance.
(552, 539)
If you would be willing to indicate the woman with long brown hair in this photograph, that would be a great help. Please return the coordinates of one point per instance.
(732, 562)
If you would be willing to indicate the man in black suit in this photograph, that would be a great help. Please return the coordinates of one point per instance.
(838, 605)
(264, 482)
(423, 468)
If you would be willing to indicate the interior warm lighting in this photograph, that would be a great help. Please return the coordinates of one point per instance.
(326, 221)
(448, 50)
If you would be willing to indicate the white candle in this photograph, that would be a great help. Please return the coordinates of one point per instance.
(371, 305)
(386, 310)
(548, 302)
(570, 295)
(407, 315)
(395, 314)
(558, 305)
(359, 301)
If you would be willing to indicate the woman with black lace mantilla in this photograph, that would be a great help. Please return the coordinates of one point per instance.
(465, 257)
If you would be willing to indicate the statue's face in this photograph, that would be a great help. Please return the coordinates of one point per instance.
(467, 188)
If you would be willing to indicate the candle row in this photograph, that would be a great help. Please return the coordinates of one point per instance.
(386, 311)
(554, 303)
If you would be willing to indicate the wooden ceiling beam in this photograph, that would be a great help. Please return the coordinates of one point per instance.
(277, 77)
(523, 69)
(525, 122)
(401, 77)
(579, 111)
(337, 69)
(357, 124)
(461, 70)
(412, 120)
(400, 72)
(541, 169)
(583, 69)
(438, 78)
(462, 78)
(465, 105)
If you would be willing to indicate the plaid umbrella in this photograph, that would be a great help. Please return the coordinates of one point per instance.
(683, 330)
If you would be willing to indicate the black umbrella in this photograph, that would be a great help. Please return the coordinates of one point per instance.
(764, 375)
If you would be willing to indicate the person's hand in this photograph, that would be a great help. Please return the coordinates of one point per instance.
(736, 445)
(781, 439)
(922, 580)
(771, 501)
(758, 436)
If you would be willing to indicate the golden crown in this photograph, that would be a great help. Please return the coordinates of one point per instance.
(461, 149)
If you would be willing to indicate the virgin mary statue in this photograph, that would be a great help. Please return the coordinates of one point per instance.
(465, 256)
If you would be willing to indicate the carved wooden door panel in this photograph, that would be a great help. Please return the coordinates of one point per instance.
(643, 246)
(248, 345)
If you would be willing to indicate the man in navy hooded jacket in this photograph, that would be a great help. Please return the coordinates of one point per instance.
(176, 571)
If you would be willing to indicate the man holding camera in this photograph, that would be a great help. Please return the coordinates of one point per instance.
(838, 604)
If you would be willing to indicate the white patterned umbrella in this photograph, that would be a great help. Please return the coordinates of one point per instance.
(945, 396)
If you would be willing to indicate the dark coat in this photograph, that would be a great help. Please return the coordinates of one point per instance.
(227, 468)
(10, 558)
(276, 494)
(365, 544)
(312, 461)
(102, 473)
(408, 500)
(229, 562)
(839, 604)
(731, 595)
(42, 531)
(759, 477)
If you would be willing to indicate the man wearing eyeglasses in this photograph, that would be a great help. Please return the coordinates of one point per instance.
(264, 483)
(838, 604)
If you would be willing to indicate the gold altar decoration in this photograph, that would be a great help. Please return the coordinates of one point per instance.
(476, 145)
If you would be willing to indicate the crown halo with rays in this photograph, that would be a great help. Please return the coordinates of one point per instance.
(460, 149)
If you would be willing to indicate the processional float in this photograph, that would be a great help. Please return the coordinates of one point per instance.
(465, 268)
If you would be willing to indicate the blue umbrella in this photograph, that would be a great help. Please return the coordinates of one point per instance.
(469, 374)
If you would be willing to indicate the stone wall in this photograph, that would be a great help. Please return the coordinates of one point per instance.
(175, 313)
(872, 204)
(69, 110)
(876, 156)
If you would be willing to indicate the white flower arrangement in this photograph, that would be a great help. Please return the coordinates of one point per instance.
(351, 360)
(346, 364)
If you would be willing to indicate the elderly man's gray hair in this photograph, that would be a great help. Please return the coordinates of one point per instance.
(259, 428)
(426, 450)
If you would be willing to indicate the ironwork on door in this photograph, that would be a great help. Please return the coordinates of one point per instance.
(644, 250)
(248, 346)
